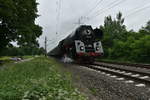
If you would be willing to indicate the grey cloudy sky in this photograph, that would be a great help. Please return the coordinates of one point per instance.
(65, 13)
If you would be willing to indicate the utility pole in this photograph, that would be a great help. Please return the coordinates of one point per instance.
(79, 22)
(45, 46)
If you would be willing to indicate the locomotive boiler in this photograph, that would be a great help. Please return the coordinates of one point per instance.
(82, 45)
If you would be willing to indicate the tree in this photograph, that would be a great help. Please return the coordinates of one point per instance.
(141, 49)
(145, 30)
(17, 22)
(7, 14)
(123, 45)
(113, 30)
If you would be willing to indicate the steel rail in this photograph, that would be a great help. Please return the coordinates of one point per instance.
(138, 79)
(123, 69)
(128, 64)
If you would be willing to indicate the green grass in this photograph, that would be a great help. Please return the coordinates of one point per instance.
(5, 59)
(27, 57)
(38, 79)
(94, 91)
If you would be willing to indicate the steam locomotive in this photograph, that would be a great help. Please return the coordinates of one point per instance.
(82, 45)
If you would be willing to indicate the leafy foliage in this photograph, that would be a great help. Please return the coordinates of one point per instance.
(121, 44)
(146, 29)
(17, 22)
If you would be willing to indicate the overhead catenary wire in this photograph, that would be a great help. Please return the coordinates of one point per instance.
(61, 36)
(58, 11)
(112, 5)
(88, 12)
(99, 12)
(138, 10)
(134, 12)
(104, 8)
(94, 7)
(66, 33)
(58, 21)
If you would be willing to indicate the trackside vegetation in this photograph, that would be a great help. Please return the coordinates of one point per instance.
(125, 45)
(38, 79)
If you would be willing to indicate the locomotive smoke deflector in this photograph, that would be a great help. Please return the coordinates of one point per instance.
(98, 33)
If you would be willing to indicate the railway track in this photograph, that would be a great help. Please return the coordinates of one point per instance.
(147, 66)
(137, 76)
(123, 69)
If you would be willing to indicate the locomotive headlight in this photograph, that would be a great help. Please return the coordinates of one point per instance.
(97, 48)
(81, 48)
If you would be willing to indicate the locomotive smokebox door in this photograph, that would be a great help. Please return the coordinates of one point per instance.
(80, 48)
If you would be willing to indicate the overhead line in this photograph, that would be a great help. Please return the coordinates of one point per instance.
(110, 4)
(58, 9)
(91, 10)
(54, 40)
(138, 10)
(100, 12)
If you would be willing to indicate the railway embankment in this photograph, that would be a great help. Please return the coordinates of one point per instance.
(37, 79)
(106, 86)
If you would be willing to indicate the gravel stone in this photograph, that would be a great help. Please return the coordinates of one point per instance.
(104, 87)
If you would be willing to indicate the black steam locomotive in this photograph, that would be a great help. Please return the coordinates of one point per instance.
(82, 45)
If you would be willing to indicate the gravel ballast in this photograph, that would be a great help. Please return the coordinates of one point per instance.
(100, 86)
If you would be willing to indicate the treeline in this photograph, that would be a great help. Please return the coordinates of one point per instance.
(17, 24)
(21, 51)
(123, 45)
